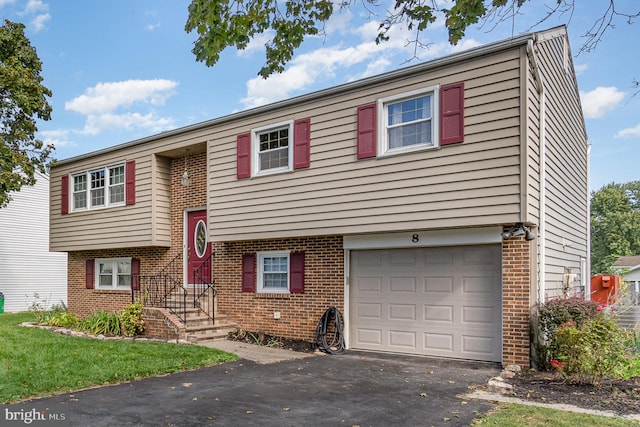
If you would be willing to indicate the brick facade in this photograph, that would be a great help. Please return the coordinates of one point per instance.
(517, 287)
(299, 313)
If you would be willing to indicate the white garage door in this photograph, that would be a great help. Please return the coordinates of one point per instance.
(443, 301)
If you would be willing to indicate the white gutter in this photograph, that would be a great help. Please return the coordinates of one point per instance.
(542, 249)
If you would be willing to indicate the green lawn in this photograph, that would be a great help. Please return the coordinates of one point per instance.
(507, 415)
(37, 362)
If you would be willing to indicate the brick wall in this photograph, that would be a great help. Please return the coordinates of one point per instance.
(516, 297)
(300, 313)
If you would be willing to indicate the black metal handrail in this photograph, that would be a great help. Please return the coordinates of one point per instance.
(163, 289)
(203, 291)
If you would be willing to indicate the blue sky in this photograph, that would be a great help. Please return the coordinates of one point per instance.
(122, 70)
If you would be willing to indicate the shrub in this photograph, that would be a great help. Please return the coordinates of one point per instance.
(131, 320)
(101, 323)
(596, 349)
(550, 315)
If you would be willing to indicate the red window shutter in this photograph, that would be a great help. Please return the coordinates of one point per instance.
(130, 172)
(248, 272)
(90, 268)
(367, 131)
(64, 195)
(243, 161)
(301, 143)
(452, 114)
(296, 272)
(135, 274)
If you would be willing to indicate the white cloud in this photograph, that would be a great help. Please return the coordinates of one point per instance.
(581, 68)
(40, 21)
(312, 67)
(151, 27)
(58, 138)
(633, 132)
(35, 6)
(95, 124)
(6, 2)
(256, 44)
(600, 101)
(464, 45)
(107, 97)
(100, 103)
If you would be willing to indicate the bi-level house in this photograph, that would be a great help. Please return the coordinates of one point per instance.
(432, 205)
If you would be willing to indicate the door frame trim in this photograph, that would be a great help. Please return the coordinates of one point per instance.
(185, 237)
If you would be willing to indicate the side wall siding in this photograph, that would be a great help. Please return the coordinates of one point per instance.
(300, 312)
(567, 236)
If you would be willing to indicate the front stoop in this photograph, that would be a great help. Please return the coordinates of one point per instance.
(199, 328)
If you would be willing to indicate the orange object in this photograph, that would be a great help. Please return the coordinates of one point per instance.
(605, 288)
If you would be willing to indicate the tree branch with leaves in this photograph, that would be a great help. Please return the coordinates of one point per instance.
(224, 23)
(23, 100)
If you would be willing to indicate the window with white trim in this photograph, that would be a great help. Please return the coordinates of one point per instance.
(273, 272)
(273, 148)
(408, 122)
(113, 273)
(98, 188)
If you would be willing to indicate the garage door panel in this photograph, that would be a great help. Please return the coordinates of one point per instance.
(403, 284)
(405, 340)
(477, 315)
(438, 284)
(370, 311)
(438, 313)
(369, 284)
(431, 301)
(402, 312)
(370, 337)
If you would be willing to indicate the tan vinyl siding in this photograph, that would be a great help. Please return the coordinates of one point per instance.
(161, 215)
(566, 169)
(144, 224)
(469, 184)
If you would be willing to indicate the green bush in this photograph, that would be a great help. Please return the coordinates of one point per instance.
(596, 349)
(549, 316)
(101, 323)
(131, 320)
(63, 319)
(56, 316)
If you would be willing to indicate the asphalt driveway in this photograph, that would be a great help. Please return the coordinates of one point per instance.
(352, 389)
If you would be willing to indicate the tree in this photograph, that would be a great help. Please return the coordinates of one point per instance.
(615, 220)
(23, 99)
(224, 23)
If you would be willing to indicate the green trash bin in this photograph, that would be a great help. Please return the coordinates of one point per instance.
(1, 303)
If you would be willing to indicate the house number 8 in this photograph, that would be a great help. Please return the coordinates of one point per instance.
(415, 238)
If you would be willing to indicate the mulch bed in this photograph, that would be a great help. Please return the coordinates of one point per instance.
(619, 396)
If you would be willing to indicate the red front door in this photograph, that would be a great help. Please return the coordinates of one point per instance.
(198, 247)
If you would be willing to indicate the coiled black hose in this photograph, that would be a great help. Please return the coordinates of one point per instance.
(334, 345)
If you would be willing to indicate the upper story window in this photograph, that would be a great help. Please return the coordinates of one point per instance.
(98, 188)
(422, 119)
(407, 121)
(273, 148)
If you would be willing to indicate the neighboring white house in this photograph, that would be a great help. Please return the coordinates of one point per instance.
(630, 270)
(29, 273)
